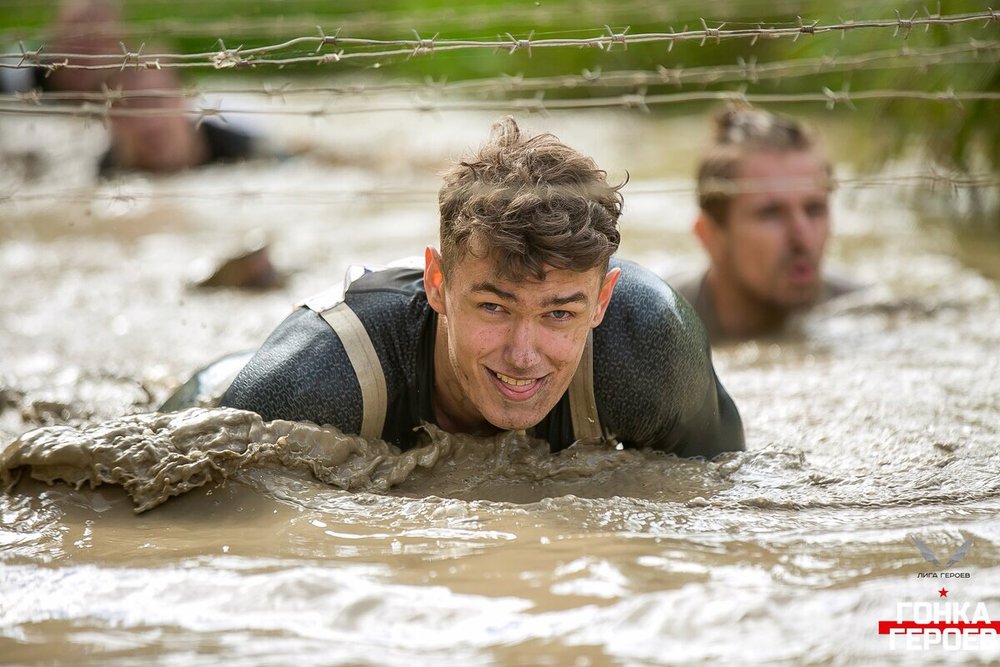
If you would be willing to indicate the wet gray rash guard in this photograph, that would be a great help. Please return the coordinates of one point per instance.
(653, 380)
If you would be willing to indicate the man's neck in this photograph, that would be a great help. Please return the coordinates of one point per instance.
(740, 314)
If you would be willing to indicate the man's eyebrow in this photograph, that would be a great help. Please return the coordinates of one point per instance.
(493, 289)
(769, 205)
(578, 297)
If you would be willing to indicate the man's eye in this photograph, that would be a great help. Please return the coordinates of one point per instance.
(561, 315)
(491, 307)
(770, 213)
(816, 210)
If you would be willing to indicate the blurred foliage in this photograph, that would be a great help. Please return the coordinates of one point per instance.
(962, 137)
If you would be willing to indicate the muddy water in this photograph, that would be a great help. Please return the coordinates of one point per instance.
(876, 422)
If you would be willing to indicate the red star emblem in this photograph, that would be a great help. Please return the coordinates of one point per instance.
(943, 592)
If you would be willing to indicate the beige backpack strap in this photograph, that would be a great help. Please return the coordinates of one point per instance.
(367, 367)
(582, 403)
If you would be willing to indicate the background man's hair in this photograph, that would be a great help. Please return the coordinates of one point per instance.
(528, 203)
(739, 133)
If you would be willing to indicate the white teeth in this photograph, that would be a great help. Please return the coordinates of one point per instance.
(506, 379)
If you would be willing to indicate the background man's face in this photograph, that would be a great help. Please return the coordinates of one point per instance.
(157, 143)
(513, 348)
(772, 244)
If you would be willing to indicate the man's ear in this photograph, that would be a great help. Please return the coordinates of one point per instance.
(703, 229)
(434, 279)
(708, 232)
(604, 297)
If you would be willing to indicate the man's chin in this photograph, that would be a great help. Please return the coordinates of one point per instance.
(515, 424)
(797, 297)
(519, 421)
(795, 305)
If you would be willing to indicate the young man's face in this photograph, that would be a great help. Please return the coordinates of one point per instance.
(771, 245)
(510, 349)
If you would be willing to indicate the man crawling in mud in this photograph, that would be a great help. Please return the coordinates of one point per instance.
(521, 321)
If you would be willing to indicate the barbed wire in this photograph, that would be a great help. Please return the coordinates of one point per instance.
(598, 12)
(122, 193)
(640, 100)
(751, 71)
(229, 58)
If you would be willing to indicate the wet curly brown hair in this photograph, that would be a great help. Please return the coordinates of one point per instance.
(529, 203)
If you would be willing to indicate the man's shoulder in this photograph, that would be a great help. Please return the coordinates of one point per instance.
(837, 284)
(648, 328)
(646, 299)
(363, 284)
(654, 382)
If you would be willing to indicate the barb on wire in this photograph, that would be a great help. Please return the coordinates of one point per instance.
(523, 44)
(423, 45)
(111, 95)
(32, 97)
(227, 58)
(617, 38)
(130, 57)
(811, 29)
(324, 39)
(671, 74)
(508, 82)
(205, 113)
(25, 54)
(636, 101)
(331, 58)
(906, 25)
(949, 96)
(272, 92)
(843, 96)
(535, 104)
(711, 33)
(749, 68)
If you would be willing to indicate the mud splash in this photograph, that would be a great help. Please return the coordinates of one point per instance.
(156, 456)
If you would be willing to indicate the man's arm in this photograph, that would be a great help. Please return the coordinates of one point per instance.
(655, 383)
(301, 373)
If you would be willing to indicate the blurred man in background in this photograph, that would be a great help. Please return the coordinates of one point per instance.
(763, 191)
(150, 125)
(82, 31)
(151, 129)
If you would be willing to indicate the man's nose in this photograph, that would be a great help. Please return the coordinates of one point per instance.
(802, 229)
(522, 346)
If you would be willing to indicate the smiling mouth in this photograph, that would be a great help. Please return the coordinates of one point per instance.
(514, 382)
(516, 388)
